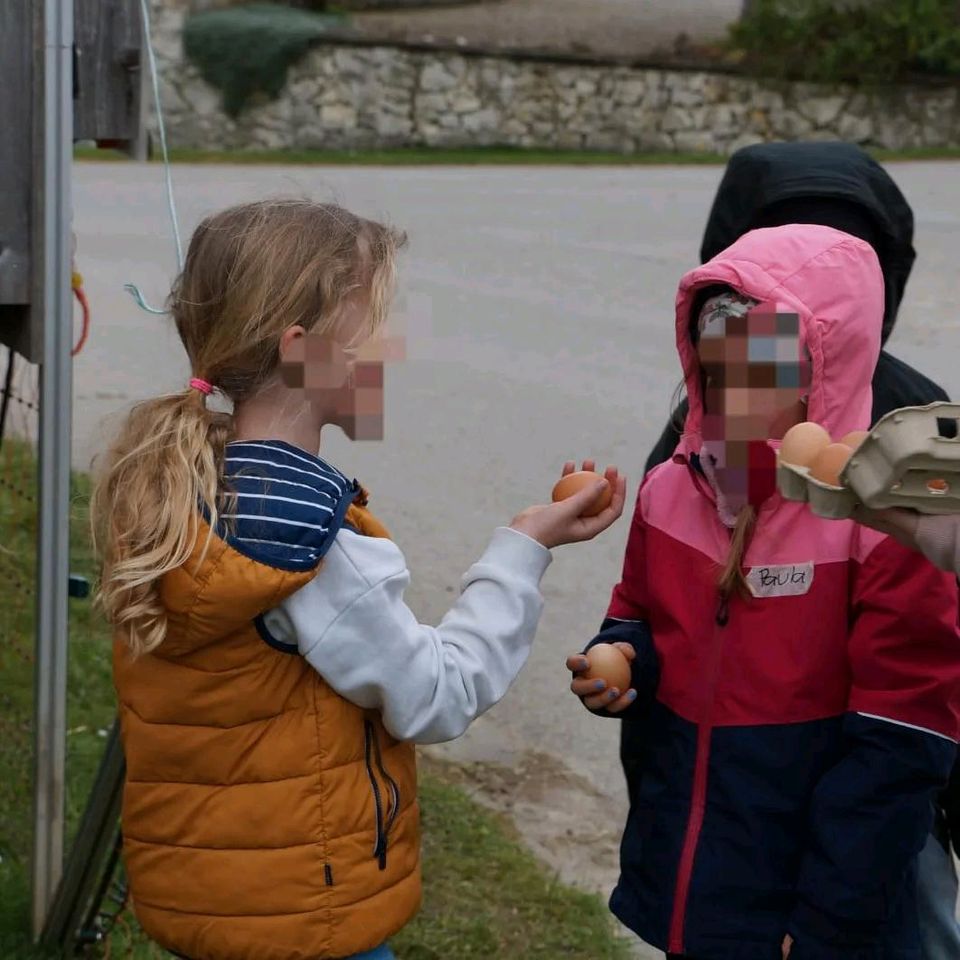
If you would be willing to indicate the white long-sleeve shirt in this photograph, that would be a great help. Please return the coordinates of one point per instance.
(429, 683)
(938, 538)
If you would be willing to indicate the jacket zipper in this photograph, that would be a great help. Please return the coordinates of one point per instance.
(394, 789)
(699, 792)
(380, 847)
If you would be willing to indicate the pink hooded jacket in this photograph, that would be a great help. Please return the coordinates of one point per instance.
(788, 733)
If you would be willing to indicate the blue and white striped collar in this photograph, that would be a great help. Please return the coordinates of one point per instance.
(290, 504)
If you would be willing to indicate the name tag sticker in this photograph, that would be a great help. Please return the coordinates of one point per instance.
(785, 580)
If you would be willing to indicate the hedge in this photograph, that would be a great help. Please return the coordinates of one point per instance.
(243, 51)
(852, 41)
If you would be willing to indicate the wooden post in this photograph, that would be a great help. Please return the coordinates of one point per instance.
(109, 45)
(109, 76)
(18, 25)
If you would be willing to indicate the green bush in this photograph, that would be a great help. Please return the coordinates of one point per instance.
(856, 41)
(348, 6)
(247, 50)
(379, 4)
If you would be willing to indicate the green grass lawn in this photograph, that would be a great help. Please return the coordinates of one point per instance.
(474, 156)
(485, 896)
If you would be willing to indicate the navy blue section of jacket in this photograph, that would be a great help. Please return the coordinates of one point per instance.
(809, 828)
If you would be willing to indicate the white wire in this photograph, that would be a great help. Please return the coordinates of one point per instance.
(132, 288)
(144, 6)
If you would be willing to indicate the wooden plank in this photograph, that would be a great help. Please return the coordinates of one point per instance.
(16, 150)
(108, 40)
(107, 108)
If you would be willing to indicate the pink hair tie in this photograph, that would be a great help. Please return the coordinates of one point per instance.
(202, 385)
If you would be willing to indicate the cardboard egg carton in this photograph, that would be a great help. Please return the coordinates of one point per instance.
(904, 462)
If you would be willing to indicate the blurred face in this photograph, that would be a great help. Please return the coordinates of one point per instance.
(756, 378)
(340, 374)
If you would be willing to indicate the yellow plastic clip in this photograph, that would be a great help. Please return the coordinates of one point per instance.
(76, 281)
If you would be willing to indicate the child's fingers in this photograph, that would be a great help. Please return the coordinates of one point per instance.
(618, 497)
(602, 700)
(621, 703)
(620, 491)
(569, 467)
(594, 525)
(587, 688)
(577, 663)
(626, 649)
(589, 465)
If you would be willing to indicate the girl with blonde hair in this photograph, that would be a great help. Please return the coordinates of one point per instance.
(271, 680)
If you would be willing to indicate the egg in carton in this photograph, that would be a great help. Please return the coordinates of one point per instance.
(826, 500)
(808, 469)
(905, 461)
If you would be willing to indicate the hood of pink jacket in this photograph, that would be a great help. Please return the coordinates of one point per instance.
(833, 282)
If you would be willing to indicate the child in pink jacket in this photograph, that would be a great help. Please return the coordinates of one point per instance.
(798, 678)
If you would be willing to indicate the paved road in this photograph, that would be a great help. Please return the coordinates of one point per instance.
(619, 27)
(549, 337)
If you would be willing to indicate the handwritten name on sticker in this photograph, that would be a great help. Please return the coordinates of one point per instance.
(784, 580)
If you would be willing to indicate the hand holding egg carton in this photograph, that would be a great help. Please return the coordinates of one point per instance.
(903, 461)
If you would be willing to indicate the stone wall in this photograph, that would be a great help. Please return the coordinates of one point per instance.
(356, 96)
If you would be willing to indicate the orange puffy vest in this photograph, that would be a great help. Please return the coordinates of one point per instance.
(264, 816)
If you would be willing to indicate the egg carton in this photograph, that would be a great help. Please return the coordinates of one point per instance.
(904, 462)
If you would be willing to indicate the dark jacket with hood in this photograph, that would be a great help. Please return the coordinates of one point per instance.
(836, 185)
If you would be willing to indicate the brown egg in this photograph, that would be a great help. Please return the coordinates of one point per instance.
(608, 663)
(574, 482)
(829, 462)
(855, 438)
(802, 443)
(938, 486)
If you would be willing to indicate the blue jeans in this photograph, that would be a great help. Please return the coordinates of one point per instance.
(381, 953)
(937, 889)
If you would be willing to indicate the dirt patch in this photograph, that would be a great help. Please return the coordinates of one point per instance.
(561, 817)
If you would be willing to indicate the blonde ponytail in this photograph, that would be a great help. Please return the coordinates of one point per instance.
(251, 272)
(731, 577)
(166, 462)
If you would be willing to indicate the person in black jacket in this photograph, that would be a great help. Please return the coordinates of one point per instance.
(841, 186)
(836, 185)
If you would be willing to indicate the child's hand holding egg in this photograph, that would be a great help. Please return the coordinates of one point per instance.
(574, 482)
(576, 514)
(602, 677)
